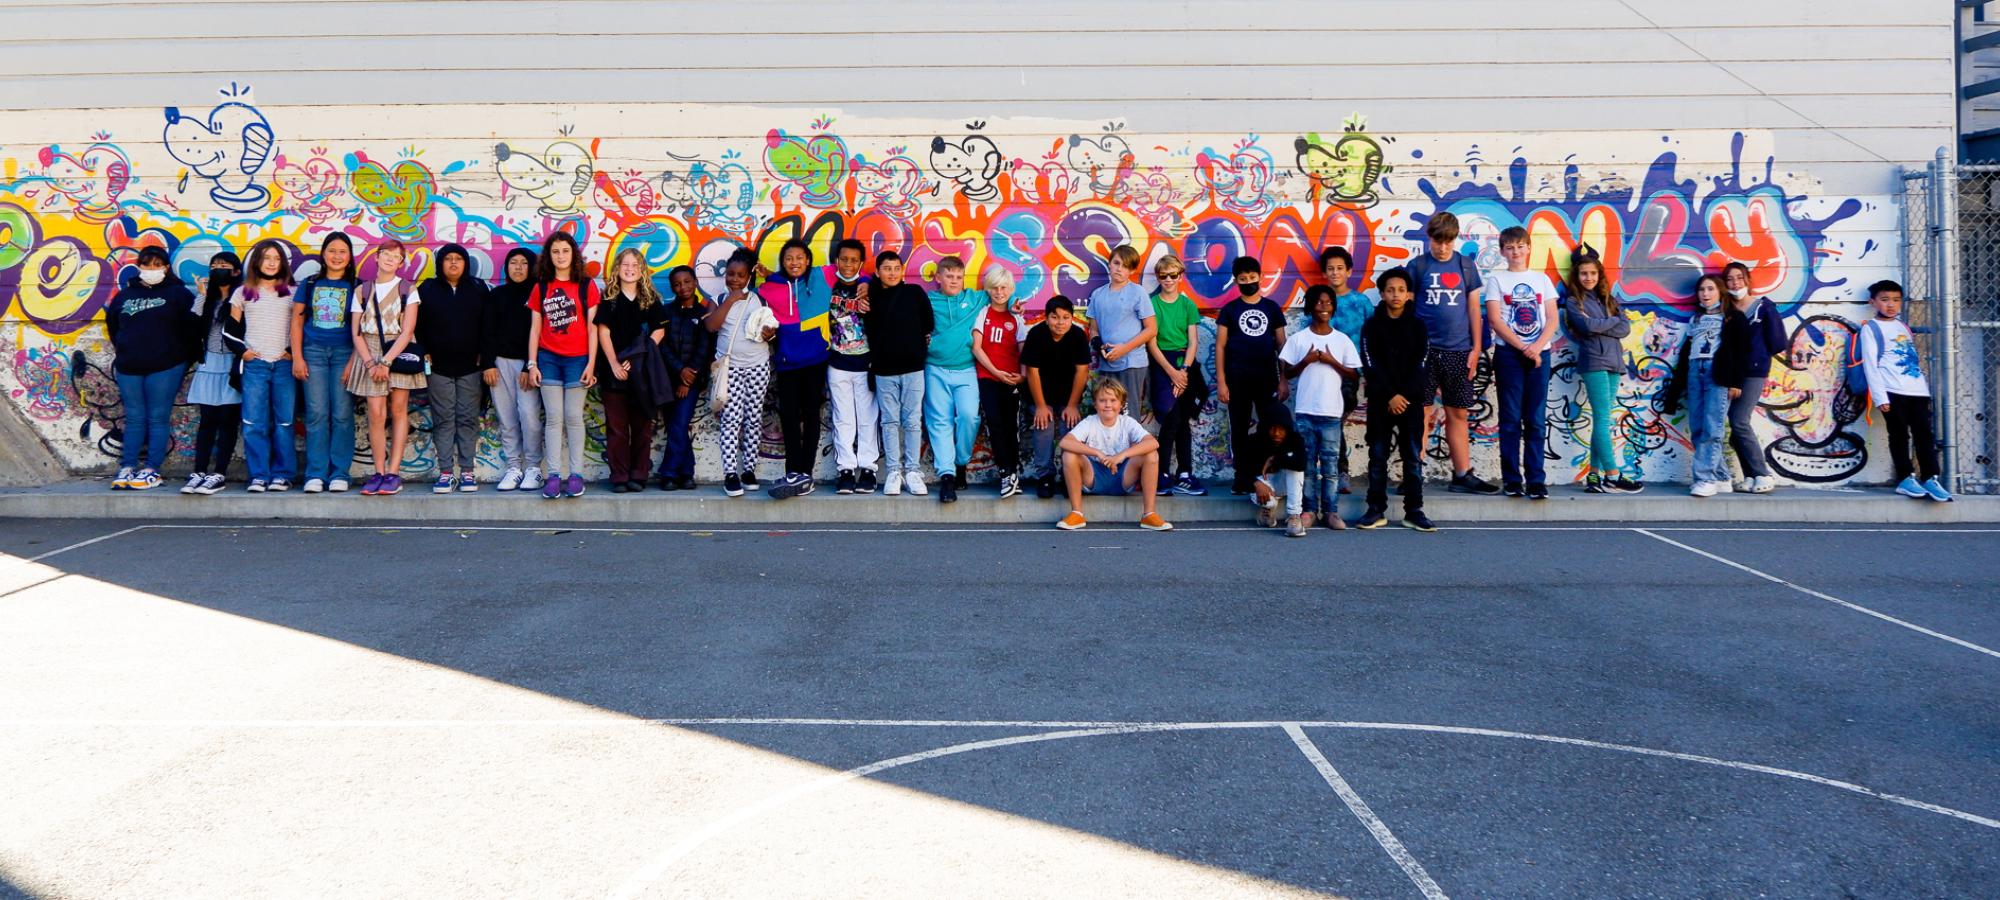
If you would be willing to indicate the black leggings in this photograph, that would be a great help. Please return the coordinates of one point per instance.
(1000, 409)
(801, 394)
(215, 437)
(1909, 421)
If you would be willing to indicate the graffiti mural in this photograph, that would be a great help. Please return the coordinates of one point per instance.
(1046, 201)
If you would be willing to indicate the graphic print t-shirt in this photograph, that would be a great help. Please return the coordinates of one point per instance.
(845, 333)
(1522, 296)
(1704, 335)
(326, 311)
(1442, 289)
(563, 306)
(1253, 335)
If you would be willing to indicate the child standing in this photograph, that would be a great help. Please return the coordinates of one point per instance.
(1751, 335)
(996, 348)
(383, 319)
(1056, 359)
(692, 348)
(1598, 329)
(1897, 387)
(1448, 295)
(450, 328)
(1178, 390)
(1111, 454)
(322, 350)
(562, 339)
(631, 313)
(220, 402)
(151, 321)
(1694, 381)
(507, 322)
(899, 321)
(856, 421)
(1520, 304)
(1249, 330)
(1119, 317)
(1349, 315)
(264, 305)
(1395, 351)
(1323, 360)
(1283, 477)
(951, 389)
(744, 328)
(800, 298)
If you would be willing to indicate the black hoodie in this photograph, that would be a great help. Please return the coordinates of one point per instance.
(899, 322)
(151, 325)
(508, 317)
(1393, 349)
(451, 320)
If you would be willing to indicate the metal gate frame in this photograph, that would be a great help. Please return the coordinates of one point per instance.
(1950, 222)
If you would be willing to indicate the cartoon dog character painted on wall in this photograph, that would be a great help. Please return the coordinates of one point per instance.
(1240, 180)
(400, 195)
(1346, 169)
(891, 187)
(725, 195)
(558, 178)
(313, 183)
(1103, 162)
(973, 164)
(92, 179)
(818, 164)
(229, 148)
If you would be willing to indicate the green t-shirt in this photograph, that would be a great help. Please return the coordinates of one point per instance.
(1173, 320)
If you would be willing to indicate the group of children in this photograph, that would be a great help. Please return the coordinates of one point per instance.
(900, 363)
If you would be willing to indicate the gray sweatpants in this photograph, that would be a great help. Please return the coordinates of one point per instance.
(455, 420)
(520, 413)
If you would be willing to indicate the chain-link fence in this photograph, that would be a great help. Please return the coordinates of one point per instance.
(1951, 273)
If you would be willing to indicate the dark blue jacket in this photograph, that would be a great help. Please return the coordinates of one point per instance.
(153, 326)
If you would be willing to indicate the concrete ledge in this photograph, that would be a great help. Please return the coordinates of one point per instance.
(92, 499)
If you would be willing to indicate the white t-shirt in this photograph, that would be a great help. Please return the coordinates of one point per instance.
(381, 295)
(1523, 298)
(744, 347)
(1319, 383)
(1111, 439)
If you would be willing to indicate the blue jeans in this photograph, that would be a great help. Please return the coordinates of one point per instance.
(678, 459)
(951, 415)
(329, 412)
(901, 399)
(1322, 436)
(1707, 412)
(559, 370)
(1602, 388)
(1524, 425)
(270, 395)
(149, 411)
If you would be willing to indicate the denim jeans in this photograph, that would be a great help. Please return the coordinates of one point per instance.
(1322, 436)
(149, 411)
(329, 412)
(270, 395)
(677, 461)
(1743, 438)
(902, 401)
(951, 414)
(1707, 413)
(1524, 400)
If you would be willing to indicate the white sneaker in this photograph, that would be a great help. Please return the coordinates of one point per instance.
(510, 480)
(314, 486)
(194, 481)
(1703, 489)
(1763, 484)
(914, 482)
(256, 486)
(1724, 487)
(337, 486)
(531, 479)
(211, 484)
(894, 486)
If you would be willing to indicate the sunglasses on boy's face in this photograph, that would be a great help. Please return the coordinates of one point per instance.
(1170, 276)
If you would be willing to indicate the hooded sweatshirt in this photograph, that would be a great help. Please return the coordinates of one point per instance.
(151, 325)
(450, 320)
(1749, 340)
(801, 305)
(899, 322)
(1599, 335)
(507, 317)
(1393, 350)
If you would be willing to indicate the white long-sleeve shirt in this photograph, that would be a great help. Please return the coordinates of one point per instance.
(1889, 359)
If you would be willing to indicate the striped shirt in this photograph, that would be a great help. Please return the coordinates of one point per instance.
(267, 321)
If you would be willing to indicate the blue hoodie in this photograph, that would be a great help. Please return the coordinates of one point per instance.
(802, 305)
(152, 327)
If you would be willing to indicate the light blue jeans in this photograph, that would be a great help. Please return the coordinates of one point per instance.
(329, 412)
(951, 415)
(1322, 436)
(1708, 413)
(901, 398)
(149, 411)
(270, 396)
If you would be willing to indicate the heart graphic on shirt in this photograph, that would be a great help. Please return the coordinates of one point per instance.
(1449, 279)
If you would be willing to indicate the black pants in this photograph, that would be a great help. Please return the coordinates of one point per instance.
(1909, 421)
(1252, 399)
(1177, 415)
(801, 394)
(1000, 410)
(1404, 434)
(215, 437)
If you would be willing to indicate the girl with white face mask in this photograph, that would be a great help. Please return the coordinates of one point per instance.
(1751, 335)
(151, 322)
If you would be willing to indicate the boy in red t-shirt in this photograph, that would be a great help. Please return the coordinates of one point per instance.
(996, 354)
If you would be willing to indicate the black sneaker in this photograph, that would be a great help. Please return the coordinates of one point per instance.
(1601, 486)
(947, 489)
(864, 483)
(620, 487)
(1469, 483)
(845, 483)
(669, 484)
(685, 484)
(1045, 487)
(732, 485)
(1627, 485)
(1372, 519)
(1538, 491)
(1417, 521)
(1513, 489)
(1010, 484)
(794, 484)
(750, 479)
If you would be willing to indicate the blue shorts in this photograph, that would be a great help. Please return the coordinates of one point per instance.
(558, 369)
(1106, 481)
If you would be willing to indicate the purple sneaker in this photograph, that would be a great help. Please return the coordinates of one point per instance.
(391, 484)
(552, 488)
(575, 486)
(372, 486)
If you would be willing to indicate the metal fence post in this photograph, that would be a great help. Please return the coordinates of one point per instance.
(1944, 243)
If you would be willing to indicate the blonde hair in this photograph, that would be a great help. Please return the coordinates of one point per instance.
(1169, 263)
(1108, 383)
(648, 295)
(996, 276)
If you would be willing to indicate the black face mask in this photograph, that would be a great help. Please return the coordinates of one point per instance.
(222, 276)
(1247, 290)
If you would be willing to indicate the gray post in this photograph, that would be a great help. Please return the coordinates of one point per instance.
(1944, 230)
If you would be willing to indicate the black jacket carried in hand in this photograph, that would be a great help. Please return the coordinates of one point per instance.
(152, 326)
(899, 322)
(451, 319)
(1393, 352)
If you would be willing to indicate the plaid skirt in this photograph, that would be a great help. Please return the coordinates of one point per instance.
(360, 385)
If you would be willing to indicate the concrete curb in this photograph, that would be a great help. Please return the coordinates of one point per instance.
(92, 499)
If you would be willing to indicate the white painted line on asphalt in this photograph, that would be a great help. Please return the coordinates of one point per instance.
(81, 544)
(1376, 827)
(775, 530)
(1822, 596)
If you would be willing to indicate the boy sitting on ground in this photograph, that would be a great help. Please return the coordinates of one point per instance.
(1112, 454)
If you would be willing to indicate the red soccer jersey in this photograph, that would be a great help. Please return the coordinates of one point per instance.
(1000, 338)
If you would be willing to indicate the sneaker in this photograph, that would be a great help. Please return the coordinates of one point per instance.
(1723, 486)
(281, 485)
(794, 484)
(894, 488)
(635, 486)
(257, 486)
(210, 484)
(1470, 483)
(1165, 487)
(1152, 522)
(684, 484)
(1073, 521)
(1045, 487)
(1627, 485)
(573, 486)
(750, 479)
(1763, 484)
(468, 483)
(864, 483)
(1417, 521)
(510, 479)
(1936, 490)
(1372, 520)
(372, 486)
(530, 477)
(123, 480)
(194, 481)
(146, 480)
(1597, 485)
(914, 483)
(1538, 491)
(1010, 484)
(314, 486)
(844, 482)
(732, 485)
(445, 484)
(947, 488)
(1702, 489)
(337, 486)
(1911, 487)
(1189, 486)
(552, 488)
(1295, 526)
(1268, 516)
(1513, 489)
(391, 484)
(669, 484)
(1344, 486)
(1334, 523)
(620, 487)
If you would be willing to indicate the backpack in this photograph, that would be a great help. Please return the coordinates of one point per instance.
(1854, 376)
